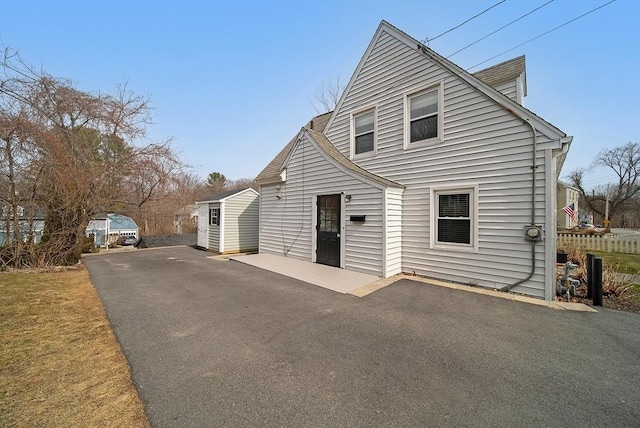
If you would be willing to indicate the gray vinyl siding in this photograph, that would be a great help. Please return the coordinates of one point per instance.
(363, 245)
(240, 223)
(509, 89)
(214, 231)
(287, 223)
(483, 145)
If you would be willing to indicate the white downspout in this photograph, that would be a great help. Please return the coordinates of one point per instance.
(533, 208)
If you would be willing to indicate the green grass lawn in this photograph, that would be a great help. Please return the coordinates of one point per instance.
(623, 263)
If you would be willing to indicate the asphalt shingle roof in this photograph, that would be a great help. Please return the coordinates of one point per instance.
(272, 170)
(222, 195)
(503, 72)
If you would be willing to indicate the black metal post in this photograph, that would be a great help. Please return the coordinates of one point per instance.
(597, 281)
(590, 275)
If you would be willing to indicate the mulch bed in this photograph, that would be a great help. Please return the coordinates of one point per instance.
(624, 303)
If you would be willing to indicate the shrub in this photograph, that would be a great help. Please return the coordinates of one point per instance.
(613, 283)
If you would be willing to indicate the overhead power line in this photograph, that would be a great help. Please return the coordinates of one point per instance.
(543, 34)
(501, 28)
(460, 25)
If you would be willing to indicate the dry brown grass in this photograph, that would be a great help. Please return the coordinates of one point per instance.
(60, 364)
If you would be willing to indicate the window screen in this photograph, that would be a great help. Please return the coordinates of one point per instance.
(423, 116)
(364, 132)
(454, 220)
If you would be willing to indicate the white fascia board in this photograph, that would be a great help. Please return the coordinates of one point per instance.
(285, 164)
(250, 190)
(505, 102)
(356, 72)
(215, 201)
(508, 104)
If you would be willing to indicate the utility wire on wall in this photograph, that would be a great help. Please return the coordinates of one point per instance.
(285, 248)
(543, 34)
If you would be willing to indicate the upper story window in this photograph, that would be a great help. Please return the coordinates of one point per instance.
(214, 216)
(364, 138)
(423, 116)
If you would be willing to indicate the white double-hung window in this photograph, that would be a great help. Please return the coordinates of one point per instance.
(423, 116)
(363, 132)
(454, 218)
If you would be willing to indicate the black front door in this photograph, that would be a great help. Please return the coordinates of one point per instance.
(328, 228)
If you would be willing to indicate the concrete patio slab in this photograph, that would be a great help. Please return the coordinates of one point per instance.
(340, 280)
(360, 285)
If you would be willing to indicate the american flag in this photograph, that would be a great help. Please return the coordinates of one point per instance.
(571, 211)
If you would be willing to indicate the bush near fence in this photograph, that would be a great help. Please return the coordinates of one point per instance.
(606, 243)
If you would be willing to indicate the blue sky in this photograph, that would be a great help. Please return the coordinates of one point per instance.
(232, 82)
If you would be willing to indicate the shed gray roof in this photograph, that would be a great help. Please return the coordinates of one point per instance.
(221, 195)
(503, 72)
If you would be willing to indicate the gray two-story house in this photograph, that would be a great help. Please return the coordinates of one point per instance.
(422, 168)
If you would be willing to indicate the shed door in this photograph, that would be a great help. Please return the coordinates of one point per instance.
(328, 230)
(203, 226)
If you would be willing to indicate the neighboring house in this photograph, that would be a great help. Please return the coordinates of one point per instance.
(421, 168)
(567, 202)
(228, 221)
(107, 228)
(185, 220)
(30, 224)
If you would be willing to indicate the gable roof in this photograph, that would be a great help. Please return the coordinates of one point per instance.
(333, 153)
(221, 196)
(482, 81)
(503, 72)
(473, 81)
(271, 173)
(273, 169)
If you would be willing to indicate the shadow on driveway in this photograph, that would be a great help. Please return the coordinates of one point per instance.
(220, 343)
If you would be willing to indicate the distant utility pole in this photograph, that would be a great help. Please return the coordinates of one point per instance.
(606, 213)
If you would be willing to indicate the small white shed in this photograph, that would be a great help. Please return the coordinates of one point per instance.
(228, 221)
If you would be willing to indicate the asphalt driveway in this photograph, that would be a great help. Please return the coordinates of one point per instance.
(219, 343)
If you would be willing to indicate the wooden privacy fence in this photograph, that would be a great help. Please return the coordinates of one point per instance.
(606, 243)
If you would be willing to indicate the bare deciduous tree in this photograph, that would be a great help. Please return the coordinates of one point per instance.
(624, 161)
(327, 96)
(81, 155)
